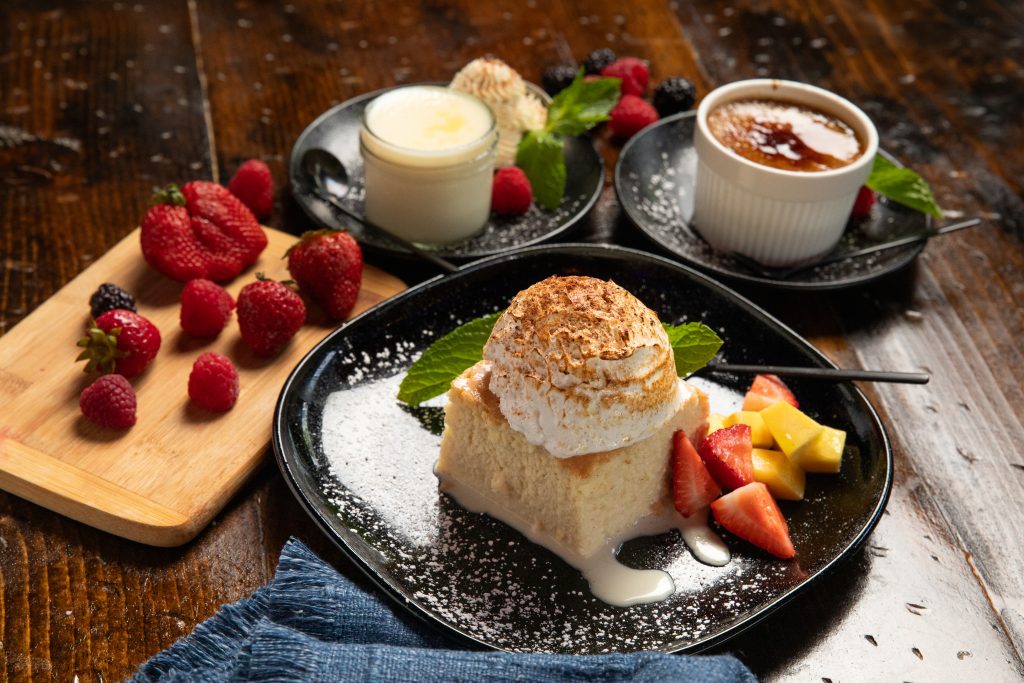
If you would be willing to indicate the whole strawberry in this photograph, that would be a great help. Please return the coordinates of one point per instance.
(119, 341)
(254, 185)
(205, 308)
(200, 231)
(269, 315)
(213, 382)
(328, 265)
(109, 402)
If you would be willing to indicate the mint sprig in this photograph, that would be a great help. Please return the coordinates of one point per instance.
(902, 185)
(446, 359)
(693, 345)
(574, 111)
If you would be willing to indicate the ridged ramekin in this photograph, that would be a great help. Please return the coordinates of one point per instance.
(776, 217)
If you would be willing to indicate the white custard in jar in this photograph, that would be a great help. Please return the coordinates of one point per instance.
(428, 154)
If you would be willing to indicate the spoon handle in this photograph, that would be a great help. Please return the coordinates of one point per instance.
(441, 263)
(831, 374)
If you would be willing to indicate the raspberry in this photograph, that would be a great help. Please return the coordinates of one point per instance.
(269, 315)
(863, 204)
(109, 402)
(213, 382)
(632, 71)
(254, 185)
(511, 194)
(630, 115)
(598, 60)
(674, 95)
(110, 297)
(558, 77)
(205, 308)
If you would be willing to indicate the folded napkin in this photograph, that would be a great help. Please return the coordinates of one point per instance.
(312, 624)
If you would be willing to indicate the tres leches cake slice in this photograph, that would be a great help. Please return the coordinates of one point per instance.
(564, 431)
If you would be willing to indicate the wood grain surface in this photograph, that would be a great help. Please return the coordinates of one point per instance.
(102, 101)
(184, 462)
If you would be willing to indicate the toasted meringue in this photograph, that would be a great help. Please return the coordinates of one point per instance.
(516, 110)
(580, 365)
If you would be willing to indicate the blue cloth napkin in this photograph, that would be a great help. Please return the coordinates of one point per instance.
(312, 624)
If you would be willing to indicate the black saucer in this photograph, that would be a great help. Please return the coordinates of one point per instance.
(654, 182)
(337, 130)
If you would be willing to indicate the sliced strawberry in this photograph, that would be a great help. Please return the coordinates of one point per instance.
(767, 390)
(692, 486)
(752, 514)
(727, 455)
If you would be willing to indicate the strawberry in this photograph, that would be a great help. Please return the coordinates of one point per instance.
(119, 341)
(269, 315)
(200, 231)
(630, 116)
(253, 184)
(511, 193)
(766, 390)
(633, 73)
(328, 265)
(862, 205)
(692, 486)
(109, 402)
(213, 382)
(727, 455)
(751, 513)
(205, 308)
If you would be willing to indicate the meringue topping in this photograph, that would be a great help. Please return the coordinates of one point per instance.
(516, 110)
(580, 365)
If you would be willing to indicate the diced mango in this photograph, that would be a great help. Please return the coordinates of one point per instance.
(775, 470)
(715, 422)
(759, 434)
(792, 429)
(824, 453)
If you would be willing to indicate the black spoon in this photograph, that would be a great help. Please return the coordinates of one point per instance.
(329, 181)
(827, 374)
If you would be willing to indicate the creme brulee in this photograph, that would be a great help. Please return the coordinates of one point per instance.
(783, 135)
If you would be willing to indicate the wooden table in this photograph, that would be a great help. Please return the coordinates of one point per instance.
(102, 101)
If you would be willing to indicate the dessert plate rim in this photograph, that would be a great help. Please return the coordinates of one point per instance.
(289, 465)
(321, 212)
(906, 254)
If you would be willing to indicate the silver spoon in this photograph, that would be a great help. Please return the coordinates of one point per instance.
(329, 181)
(783, 273)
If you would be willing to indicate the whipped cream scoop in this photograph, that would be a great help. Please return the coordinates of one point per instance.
(580, 365)
(516, 110)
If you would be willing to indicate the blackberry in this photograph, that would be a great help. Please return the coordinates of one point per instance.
(674, 95)
(557, 78)
(109, 297)
(597, 60)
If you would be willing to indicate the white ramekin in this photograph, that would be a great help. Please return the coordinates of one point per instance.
(776, 217)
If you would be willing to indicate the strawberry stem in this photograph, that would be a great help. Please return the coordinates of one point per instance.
(99, 348)
(169, 195)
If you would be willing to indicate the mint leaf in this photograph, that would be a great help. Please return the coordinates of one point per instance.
(446, 359)
(693, 345)
(540, 156)
(902, 185)
(582, 105)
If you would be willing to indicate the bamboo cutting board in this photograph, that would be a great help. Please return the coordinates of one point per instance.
(164, 479)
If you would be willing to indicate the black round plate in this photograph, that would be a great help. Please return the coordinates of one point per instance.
(337, 130)
(361, 464)
(654, 183)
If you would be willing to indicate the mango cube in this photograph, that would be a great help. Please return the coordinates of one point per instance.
(715, 422)
(792, 429)
(824, 453)
(775, 470)
(759, 434)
